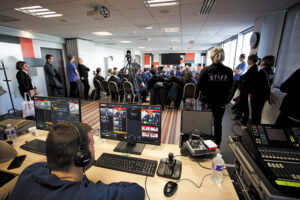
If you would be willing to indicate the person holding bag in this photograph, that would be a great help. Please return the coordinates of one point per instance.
(260, 88)
(24, 80)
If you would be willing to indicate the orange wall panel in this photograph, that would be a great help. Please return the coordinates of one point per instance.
(27, 47)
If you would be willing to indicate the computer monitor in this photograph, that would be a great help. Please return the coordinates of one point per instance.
(50, 110)
(133, 124)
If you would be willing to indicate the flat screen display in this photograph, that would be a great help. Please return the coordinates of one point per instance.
(50, 110)
(276, 134)
(131, 122)
(170, 59)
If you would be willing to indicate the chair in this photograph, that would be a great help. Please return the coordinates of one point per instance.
(105, 87)
(98, 87)
(113, 90)
(128, 90)
(189, 91)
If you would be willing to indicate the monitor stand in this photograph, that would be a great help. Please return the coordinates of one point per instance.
(130, 147)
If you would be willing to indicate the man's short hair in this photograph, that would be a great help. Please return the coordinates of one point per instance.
(172, 72)
(115, 73)
(115, 68)
(243, 56)
(48, 56)
(62, 143)
(153, 72)
(98, 70)
(253, 58)
(70, 56)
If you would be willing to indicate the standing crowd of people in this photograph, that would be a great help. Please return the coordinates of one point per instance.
(216, 84)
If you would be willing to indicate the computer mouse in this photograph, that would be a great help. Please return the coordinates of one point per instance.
(170, 188)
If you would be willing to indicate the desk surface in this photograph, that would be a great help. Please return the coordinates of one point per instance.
(190, 170)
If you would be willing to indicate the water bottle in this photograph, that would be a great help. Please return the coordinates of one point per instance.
(11, 133)
(217, 169)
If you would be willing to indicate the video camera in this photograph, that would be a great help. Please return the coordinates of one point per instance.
(128, 55)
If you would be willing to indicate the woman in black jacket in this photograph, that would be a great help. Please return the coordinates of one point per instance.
(260, 88)
(245, 82)
(24, 80)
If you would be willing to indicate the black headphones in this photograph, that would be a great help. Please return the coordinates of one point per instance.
(83, 155)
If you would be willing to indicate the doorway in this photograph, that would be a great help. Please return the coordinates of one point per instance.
(58, 65)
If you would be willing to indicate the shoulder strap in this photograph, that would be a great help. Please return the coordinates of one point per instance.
(268, 79)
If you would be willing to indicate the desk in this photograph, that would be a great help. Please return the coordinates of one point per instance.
(186, 190)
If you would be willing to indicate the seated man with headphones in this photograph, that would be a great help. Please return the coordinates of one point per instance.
(70, 152)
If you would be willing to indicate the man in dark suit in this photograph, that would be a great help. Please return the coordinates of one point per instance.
(53, 77)
(84, 76)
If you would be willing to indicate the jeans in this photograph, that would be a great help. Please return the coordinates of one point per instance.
(218, 113)
(74, 89)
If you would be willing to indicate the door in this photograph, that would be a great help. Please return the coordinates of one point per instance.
(58, 65)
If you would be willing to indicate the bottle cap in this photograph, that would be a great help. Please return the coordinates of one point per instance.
(8, 125)
(219, 155)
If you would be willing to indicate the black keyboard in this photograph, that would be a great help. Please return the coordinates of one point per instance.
(127, 164)
(35, 146)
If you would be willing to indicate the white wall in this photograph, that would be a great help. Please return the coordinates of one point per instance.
(93, 55)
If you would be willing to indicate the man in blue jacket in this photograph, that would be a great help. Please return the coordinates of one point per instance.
(61, 178)
(73, 77)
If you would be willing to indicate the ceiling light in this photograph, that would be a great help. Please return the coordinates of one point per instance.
(45, 13)
(175, 40)
(148, 27)
(38, 10)
(103, 33)
(50, 16)
(142, 47)
(207, 6)
(171, 29)
(30, 7)
(160, 3)
(125, 41)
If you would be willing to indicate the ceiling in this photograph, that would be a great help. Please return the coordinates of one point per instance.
(129, 17)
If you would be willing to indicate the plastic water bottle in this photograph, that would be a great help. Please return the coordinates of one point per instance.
(217, 169)
(11, 133)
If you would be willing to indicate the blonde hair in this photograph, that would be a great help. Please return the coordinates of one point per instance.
(217, 55)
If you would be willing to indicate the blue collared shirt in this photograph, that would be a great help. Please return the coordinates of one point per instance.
(241, 66)
(72, 76)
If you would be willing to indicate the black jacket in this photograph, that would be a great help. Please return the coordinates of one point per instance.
(83, 71)
(51, 74)
(153, 80)
(215, 84)
(247, 78)
(25, 83)
(290, 103)
(116, 80)
(259, 88)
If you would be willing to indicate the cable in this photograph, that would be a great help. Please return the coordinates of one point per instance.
(185, 179)
(146, 187)
(208, 168)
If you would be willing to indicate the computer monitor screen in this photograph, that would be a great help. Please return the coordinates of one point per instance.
(131, 122)
(50, 110)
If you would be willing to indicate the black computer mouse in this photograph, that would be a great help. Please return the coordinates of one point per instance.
(170, 188)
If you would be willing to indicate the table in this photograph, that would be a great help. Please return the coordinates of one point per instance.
(190, 170)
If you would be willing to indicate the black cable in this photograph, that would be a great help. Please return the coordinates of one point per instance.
(185, 179)
(146, 187)
(208, 168)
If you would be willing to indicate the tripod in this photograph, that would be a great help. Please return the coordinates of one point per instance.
(7, 83)
(136, 87)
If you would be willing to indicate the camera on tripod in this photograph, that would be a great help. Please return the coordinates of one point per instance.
(128, 56)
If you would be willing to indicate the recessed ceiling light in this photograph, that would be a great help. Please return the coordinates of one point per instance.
(163, 4)
(175, 40)
(38, 11)
(125, 41)
(50, 16)
(148, 27)
(142, 47)
(171, 29)
(103, 33)
(45, 13)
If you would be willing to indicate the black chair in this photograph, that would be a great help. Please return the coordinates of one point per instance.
(189, 91)
(99, 89)
(105, 87)
(114, 91)
(128, 90)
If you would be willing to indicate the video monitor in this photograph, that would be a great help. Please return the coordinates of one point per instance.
(50, 110)
(131, 123)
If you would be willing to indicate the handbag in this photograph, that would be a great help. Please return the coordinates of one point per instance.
(27, 106)
(272, 97)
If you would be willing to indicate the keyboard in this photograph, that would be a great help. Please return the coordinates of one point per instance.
(127, 164)
(35, 146)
